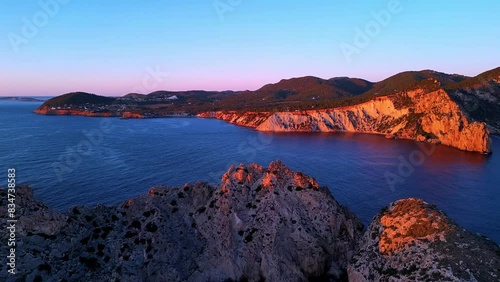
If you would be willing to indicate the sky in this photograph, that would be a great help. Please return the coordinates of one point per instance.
(51, 47)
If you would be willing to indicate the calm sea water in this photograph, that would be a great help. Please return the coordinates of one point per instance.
(65, 168)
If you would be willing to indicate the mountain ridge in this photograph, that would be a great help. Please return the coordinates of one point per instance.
(311, 87)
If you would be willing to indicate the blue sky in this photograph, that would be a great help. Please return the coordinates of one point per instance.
(113, 47)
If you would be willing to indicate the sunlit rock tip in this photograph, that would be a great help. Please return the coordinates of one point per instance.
(414, 241)
(276, 176)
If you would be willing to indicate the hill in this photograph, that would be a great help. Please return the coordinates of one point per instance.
(297, 93)
(404, 80)
(78, 98)
(482, 80)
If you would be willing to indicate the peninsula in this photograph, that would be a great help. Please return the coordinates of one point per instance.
(428, 106)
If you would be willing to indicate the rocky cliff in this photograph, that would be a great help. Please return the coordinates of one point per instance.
(418, 114)
(413, 241)
(430, 106)
(248, 119)
(269, 224)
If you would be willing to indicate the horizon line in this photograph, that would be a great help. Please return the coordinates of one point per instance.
(229, 90)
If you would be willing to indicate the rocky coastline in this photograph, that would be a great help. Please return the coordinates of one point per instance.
(426, 106)
(74, 112)
(417, 115)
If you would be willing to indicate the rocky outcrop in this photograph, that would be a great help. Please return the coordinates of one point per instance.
(241, 118)
(419, 115)
(132, 115)
(413, 241)
(269, 224)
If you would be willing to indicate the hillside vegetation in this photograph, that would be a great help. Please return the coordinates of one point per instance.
(304, 93)
(78, 98)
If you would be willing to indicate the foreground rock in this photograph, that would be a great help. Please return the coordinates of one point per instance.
(413, 241)
(73, 112)
(259, 224)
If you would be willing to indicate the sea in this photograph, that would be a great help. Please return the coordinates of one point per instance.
(72, 160)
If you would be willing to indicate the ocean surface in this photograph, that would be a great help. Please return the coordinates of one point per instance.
(87, 161)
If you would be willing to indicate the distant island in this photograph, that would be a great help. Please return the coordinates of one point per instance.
(429, 106)
(22, 99)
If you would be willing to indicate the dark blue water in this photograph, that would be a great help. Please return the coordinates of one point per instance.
(128, 157)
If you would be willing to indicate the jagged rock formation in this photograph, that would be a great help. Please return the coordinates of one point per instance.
(269, 224)
(413, 241)
(419, 115)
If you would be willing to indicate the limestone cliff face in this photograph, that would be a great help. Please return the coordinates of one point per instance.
(413, 241)
(271, 224)
(418, 115)
(248, 119)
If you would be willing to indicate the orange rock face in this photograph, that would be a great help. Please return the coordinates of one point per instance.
(268, 179)
(413, 241)
(408, 221)
(127, 115)
(443, 118)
